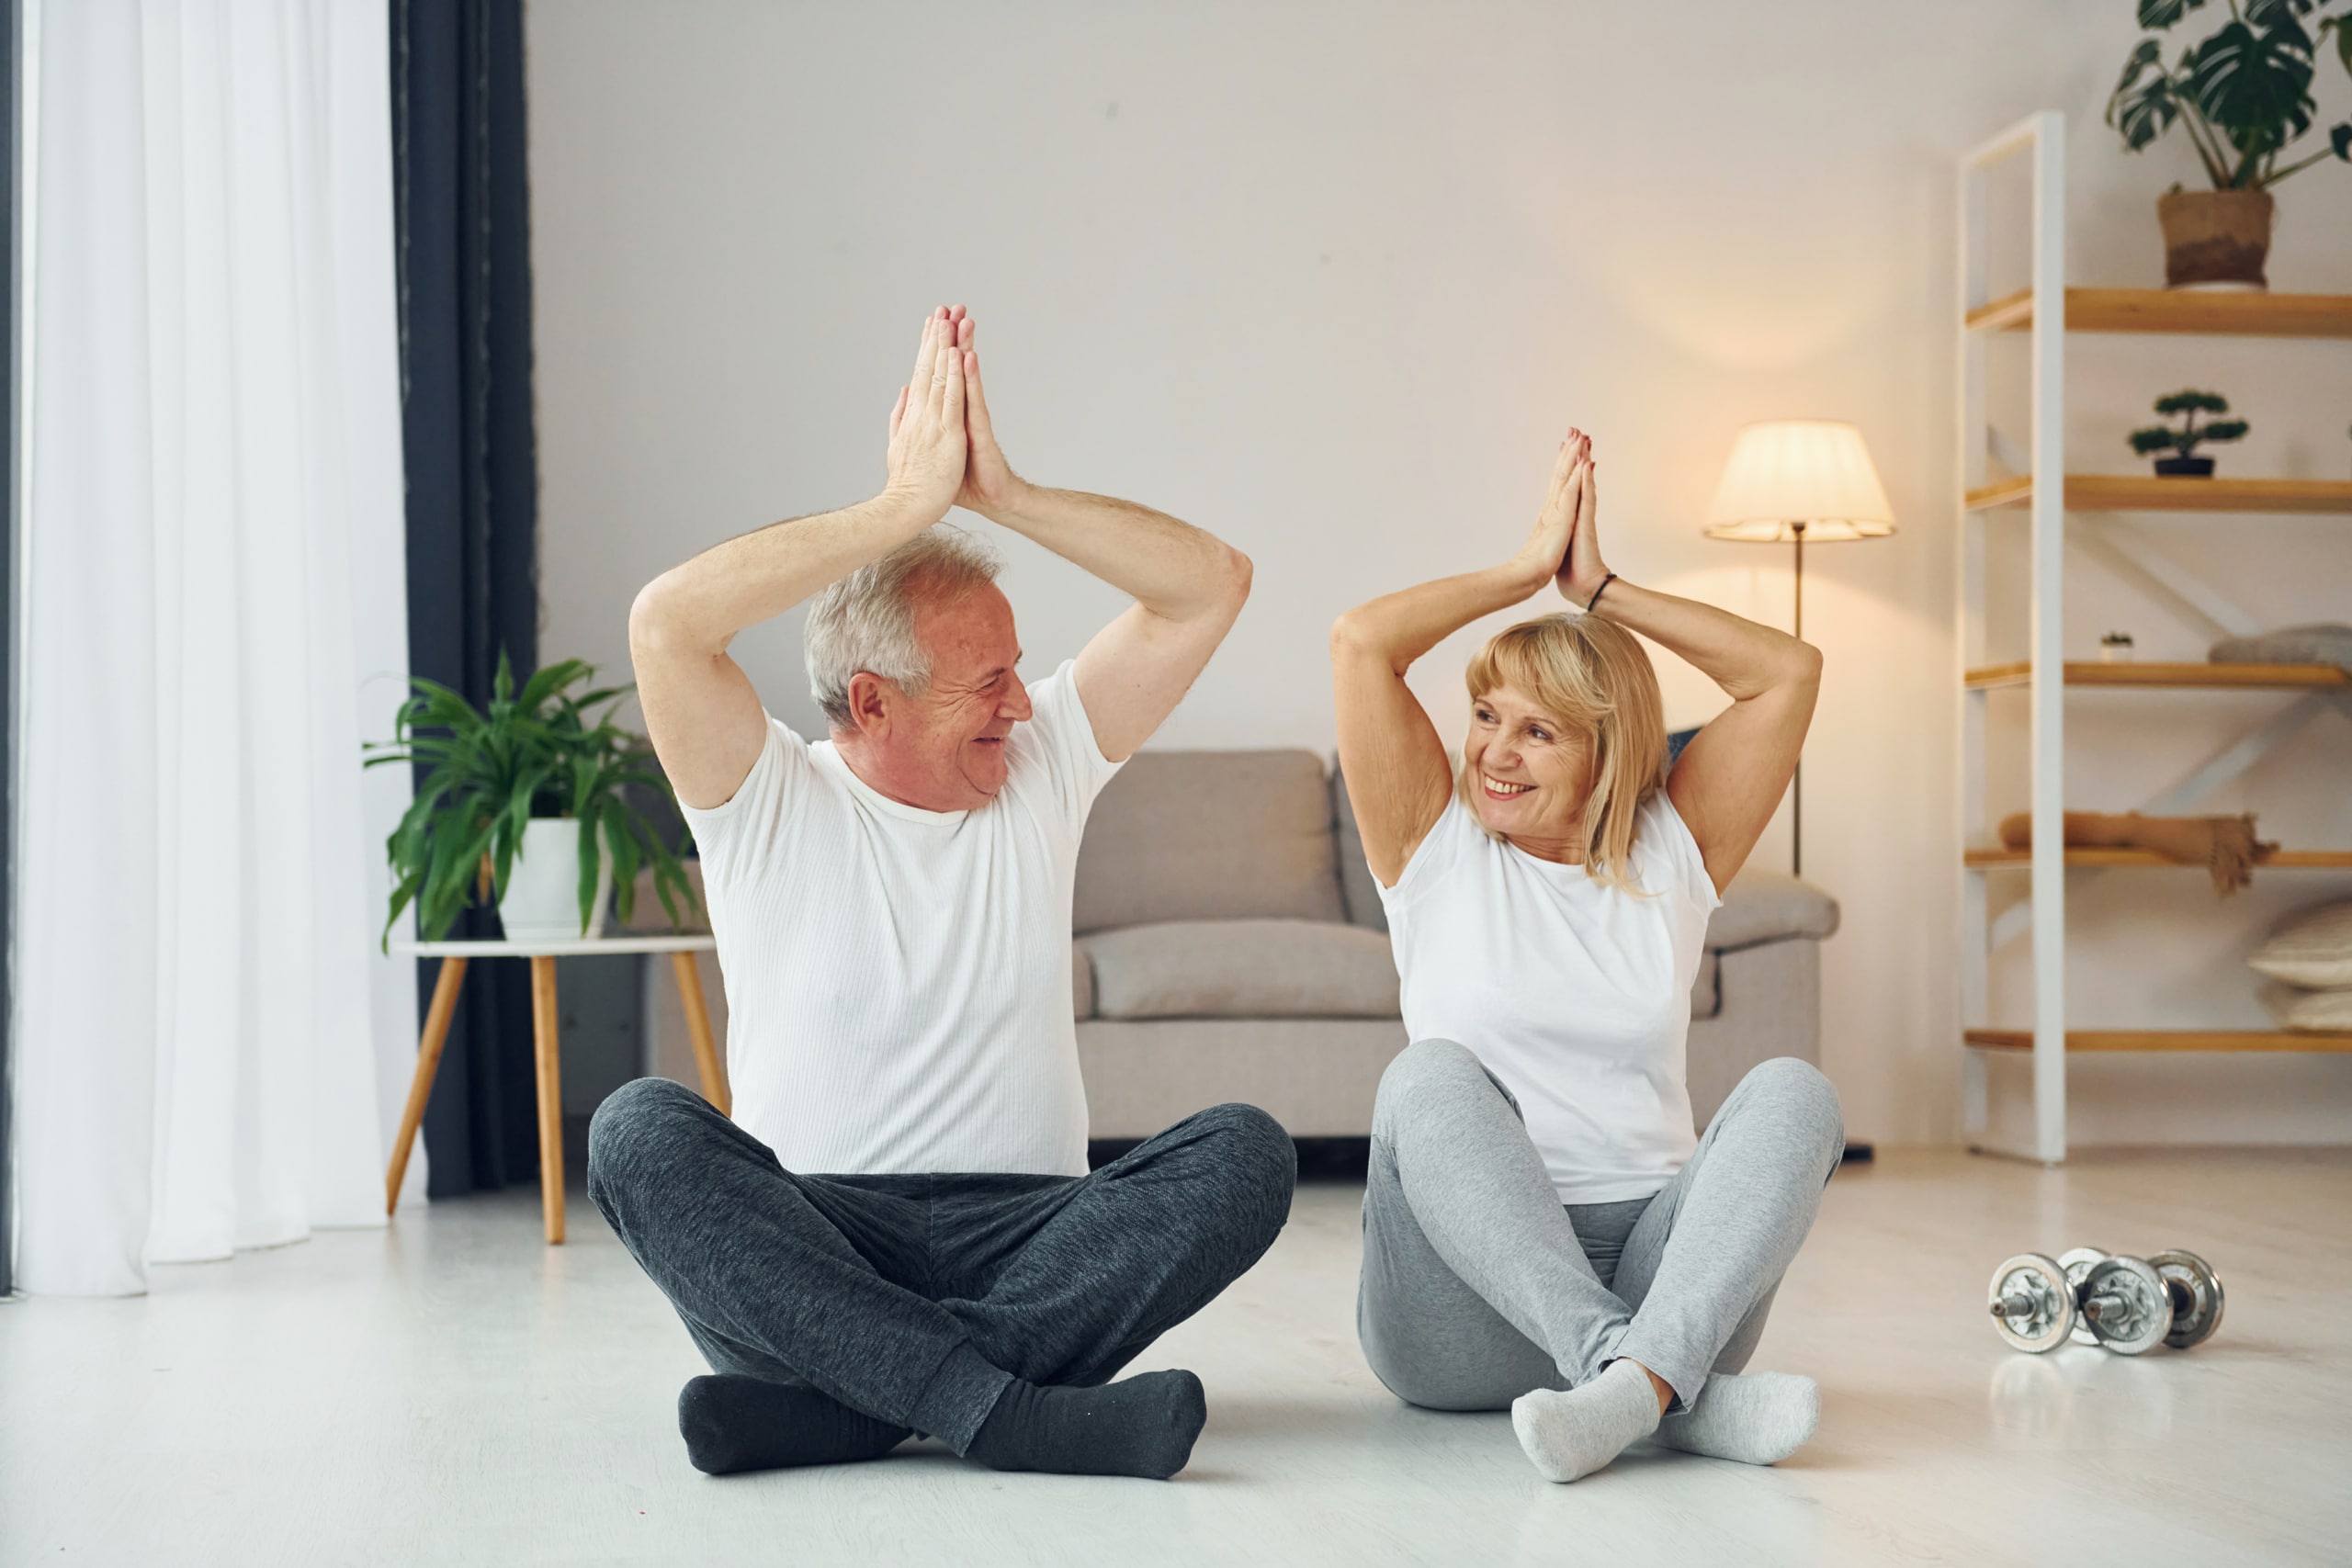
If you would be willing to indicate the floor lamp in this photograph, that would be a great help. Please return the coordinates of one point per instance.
(1790, 481)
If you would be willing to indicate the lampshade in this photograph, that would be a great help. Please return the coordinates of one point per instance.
(1791, 478)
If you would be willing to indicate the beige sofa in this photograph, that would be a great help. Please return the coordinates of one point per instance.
(1230, 945)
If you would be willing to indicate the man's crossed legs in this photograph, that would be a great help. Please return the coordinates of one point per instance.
(988, 1311)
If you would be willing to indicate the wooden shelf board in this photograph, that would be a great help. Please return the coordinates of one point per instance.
(2177, 310)
(2169, 1040)
(2010, 313)
(2283, 860)
(2015, 491)
(2227, 677)
(2147, 492)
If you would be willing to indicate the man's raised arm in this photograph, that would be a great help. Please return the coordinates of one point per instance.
(705, 720)
(1188, 584)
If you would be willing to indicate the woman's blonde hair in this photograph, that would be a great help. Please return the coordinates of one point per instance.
(1591, 675)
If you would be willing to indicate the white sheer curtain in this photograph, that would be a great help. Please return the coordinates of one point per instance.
(213, 619)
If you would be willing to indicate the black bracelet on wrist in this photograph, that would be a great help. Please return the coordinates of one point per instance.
(1597, 591)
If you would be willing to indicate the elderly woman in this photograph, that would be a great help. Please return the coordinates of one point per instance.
(1541, 1228)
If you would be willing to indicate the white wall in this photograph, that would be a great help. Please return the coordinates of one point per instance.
(1331, 280)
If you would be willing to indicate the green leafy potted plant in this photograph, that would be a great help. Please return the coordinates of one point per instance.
(524, 803)
(2242, 96)
(2183, 442)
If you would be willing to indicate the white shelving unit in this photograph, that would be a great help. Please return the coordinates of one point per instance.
(2063, 507)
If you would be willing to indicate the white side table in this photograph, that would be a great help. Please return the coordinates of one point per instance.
(454, 957)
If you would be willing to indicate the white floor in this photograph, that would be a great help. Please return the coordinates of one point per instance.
(453, 1392)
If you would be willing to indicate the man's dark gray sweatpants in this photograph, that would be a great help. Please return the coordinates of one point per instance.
(916, 1299)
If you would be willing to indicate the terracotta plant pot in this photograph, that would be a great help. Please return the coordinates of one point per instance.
(2215, 238)
(2185, 468)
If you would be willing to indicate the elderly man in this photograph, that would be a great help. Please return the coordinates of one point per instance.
(897, 1232)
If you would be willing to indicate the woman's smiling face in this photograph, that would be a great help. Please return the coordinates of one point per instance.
(1529, 774)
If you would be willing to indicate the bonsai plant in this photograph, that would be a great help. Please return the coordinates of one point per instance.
(536, 786)
(2242, 96)
(2182, 443)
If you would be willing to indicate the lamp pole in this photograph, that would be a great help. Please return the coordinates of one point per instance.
(1796, 778)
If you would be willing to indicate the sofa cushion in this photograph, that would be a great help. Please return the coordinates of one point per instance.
(2324, 1011)
(1242, 969)
(2312, 948)
(2324, 643)
(1769, 905)
(1357, 888)
(1209, 835)
(1082, 981)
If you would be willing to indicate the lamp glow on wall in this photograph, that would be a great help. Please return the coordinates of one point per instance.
(1790, 481)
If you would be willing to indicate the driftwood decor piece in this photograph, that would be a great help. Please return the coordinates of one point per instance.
(2224, 845)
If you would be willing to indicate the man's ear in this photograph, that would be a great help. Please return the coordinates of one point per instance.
(870, 697)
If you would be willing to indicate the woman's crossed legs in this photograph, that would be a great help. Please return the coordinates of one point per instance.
(1477, 1292)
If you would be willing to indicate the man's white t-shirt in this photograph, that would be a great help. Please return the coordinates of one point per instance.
(899, 980)
(1573, 993)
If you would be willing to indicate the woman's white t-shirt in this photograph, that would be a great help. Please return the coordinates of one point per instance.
(1576, 994)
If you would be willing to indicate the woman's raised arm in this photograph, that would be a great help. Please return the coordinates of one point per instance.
(1732, 775)
(1395, 766)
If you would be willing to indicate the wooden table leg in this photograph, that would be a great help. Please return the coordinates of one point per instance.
(543, 1041)
(714, 1077)
(428, 1062)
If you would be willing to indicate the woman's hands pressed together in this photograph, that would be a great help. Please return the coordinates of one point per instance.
(1563, 544)
(1582, 574)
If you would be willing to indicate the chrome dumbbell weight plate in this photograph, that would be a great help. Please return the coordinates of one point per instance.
(2197, 1299)
(2032, 1305)
(2076, 1263)
(2127, 1305)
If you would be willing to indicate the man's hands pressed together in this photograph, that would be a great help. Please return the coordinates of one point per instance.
(928, 447)
(940, 426)
(990, 487)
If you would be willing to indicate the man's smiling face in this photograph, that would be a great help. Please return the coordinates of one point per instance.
(946, 749)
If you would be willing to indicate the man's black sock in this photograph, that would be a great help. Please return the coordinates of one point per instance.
(1142, 1426)
(733, 1423)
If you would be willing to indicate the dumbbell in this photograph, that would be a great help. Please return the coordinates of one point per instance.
(2128, 1304)
(2192, 1292)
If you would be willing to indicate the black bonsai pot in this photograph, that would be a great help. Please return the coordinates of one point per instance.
(2182, 441)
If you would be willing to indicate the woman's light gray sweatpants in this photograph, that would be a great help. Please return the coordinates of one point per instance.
(1479, 1285)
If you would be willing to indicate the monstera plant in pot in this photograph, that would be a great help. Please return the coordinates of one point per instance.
(2242, 97)
(527, 805)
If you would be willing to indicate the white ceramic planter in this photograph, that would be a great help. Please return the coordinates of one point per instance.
(542, 901)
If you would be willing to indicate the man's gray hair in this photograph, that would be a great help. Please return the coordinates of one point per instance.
(867, 621)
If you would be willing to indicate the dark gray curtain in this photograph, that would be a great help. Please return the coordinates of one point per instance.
(8, 59)
(464, 239)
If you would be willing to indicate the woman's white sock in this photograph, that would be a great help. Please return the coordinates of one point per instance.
(1573, 1433)
(1758, 1418)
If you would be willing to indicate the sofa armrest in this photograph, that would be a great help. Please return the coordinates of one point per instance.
(1358, 891)
(1769, 905)
(1772, 1007)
